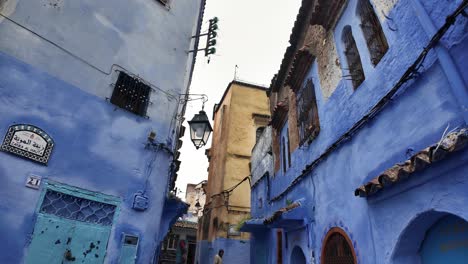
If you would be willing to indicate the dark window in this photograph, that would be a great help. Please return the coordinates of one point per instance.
(372, 30)
(288, 150)
(131, 94)
(355, 71)
(307, 113)
(259, 133)
(283, 148)
(337, 249)
(279, 247)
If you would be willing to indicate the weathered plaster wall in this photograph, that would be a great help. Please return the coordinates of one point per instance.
(234, 136)
(416, 118)
(321, 44)
(89, 137)
(262, 157)
(84, 42)
(58, 62)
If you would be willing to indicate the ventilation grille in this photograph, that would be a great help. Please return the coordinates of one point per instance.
(76, 208)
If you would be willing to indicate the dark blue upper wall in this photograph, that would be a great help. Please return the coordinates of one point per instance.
(414, 119)
(431, 110)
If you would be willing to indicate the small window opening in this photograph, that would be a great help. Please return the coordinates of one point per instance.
(259, 133)
(372, 30)
(307, 113)
(288, 149)
(130, 240)
(279, 247)
(131, 94)
(356, 73)
(283, 147)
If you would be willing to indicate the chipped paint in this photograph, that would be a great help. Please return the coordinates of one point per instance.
(422, 113)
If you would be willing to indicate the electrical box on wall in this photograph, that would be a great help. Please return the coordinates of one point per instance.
(129, 250)
(140, 202)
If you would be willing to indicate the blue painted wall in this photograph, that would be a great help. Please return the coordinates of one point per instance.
(416, 118)
(57, 66)
(235, 250)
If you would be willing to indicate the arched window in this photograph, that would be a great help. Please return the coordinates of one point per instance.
(355, 71)
(372, 30)
(337, 248)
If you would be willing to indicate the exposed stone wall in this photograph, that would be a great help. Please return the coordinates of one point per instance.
(383, 7)
(292, 120)
(321, 44)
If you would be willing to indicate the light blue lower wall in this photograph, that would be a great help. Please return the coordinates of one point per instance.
(235, 251)
(98, 147)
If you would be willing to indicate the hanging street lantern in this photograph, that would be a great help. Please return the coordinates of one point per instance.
(200, 129)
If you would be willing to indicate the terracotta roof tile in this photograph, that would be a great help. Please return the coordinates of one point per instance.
(280, 212)
(451, 143)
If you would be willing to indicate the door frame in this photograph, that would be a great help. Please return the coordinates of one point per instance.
(77, 192)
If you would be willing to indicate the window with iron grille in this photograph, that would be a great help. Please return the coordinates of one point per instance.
(355, 71)
(131, 94)
(337, 250)
(372, 30)
(307, 113)
(77, 208)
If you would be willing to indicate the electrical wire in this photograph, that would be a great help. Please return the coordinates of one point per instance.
(225, 193)
(410, 73)
(73, 55)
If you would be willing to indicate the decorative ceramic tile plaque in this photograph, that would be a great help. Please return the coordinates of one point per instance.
(29, 142)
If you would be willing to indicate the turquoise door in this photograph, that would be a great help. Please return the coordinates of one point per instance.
(446, 242)
(71, 228)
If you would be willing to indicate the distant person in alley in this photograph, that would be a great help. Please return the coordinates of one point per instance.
(218, 259)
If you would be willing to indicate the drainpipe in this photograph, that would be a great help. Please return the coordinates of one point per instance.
(448, 65)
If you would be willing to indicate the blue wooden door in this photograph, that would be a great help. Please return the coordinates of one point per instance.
(70, 228)
(446, 242)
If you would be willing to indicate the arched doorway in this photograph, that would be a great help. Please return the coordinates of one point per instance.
(337, 248)
(297, 256)
(446, 242)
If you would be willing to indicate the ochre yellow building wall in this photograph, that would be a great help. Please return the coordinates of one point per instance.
(234, 135)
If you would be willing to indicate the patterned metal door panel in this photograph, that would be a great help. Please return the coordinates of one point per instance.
(70, 229)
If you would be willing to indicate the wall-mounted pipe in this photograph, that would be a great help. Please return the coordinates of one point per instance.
(449, 67)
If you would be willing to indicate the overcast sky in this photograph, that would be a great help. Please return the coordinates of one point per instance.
(254, 35)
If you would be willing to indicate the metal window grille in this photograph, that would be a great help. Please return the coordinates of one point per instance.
(131, 94)
(77, 208)
(372, 30)
(307, 113)
(356, 73)
(338, 251)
